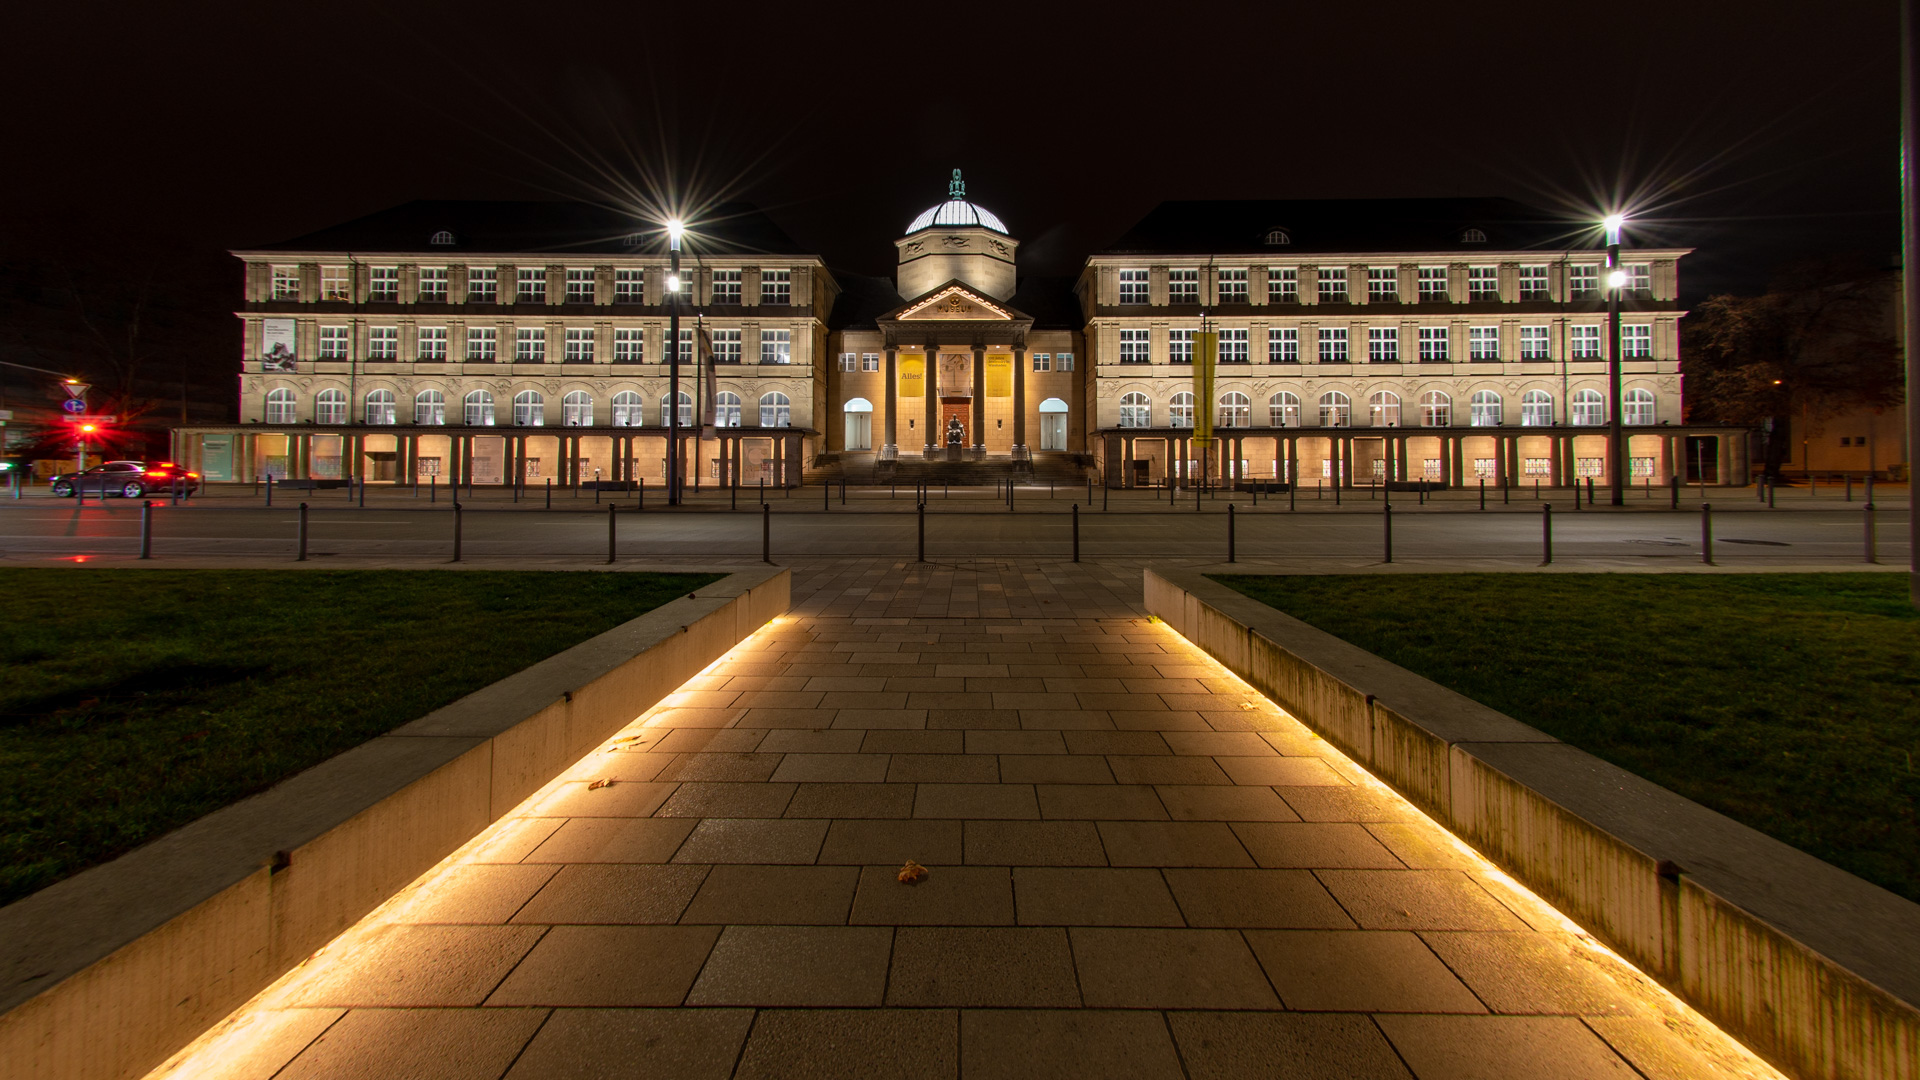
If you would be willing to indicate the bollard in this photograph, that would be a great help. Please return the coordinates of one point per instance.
(611, 536)
(433, 488)
(826, 497)
(456, 530)
(763, 491)
(1546, 534)
(302, 557)
(1103, 496)
(81, 492)
(363, 493)
(1336, 492)
(146, 530)
(1873, 552)
(1076, 530)
(1230, 537)
(1089, 492)
(921, 555)
(1009, 496)
(1536, 489)
(1706, 533)
(1483, 493)
(549, 492)
(642, 489)
(1760, 489)
(1673, 485)
(766, 533)
(1849, 487)
(1290, 502)
(843, 491)
(1386, 524)
(1772, 489)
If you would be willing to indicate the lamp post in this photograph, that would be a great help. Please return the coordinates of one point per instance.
(674, 230)
(1616, 439)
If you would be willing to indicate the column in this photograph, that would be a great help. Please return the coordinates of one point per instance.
(1293, 460)
(1512, 458)
(1400, 459)
(891, 441)
(1725, 471)
(1126, 461)
(1447, 471)
(779, 461)
(1553, 460)
(931, 435)
(1346, 461)
(979, 397)
(1020, 396)
(1458, 458)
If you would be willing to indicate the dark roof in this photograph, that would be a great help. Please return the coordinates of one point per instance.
(558, 228)
(1329, 225)
(864, 299)
(1050, 301)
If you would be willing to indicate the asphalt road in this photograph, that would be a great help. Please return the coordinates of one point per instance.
(967, 524)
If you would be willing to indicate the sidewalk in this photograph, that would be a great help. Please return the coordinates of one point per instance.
(1138, 867)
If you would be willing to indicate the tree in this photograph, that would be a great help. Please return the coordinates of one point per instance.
(1822, 340)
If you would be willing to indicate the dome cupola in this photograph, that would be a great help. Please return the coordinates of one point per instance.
(956, 240)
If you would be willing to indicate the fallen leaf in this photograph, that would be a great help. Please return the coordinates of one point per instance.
(599, 784)
(911, 873)
(1248, 705)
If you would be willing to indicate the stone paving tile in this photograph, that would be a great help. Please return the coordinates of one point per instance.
(796, 965)
(857, 800)
(402, 965)
(1003, 966)
(866, 843)
(1296, 1046)
(1017, 1044)
(477, 893)
(1137, 968)
(1316, 844)
(702, 800)
(1502, 1048)
(828, 1044)
(832, 768)
(1531, 973)
(1172, 843)
(1110, 802)
(975, 801)
(609, 966)
(614, 893)
(1073, 896)
(1418, 900)
(1207, 802)
(643, 1044)
(427, 1044)
(1033, 843)
(1359, 971)
(753, 840)
(774, 895)
(948, 896)
(1255, 898)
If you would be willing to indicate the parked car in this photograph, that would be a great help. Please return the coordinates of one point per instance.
(128, 479)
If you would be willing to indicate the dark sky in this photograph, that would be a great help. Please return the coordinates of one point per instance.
(1753, 129)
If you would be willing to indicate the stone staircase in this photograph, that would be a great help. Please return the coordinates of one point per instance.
(865, 468)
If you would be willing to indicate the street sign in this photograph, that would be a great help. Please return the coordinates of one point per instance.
(101, 419)
(74, 405)
(76, 389)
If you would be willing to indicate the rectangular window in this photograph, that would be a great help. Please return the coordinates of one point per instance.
(1333, 286)
(335, 285)
(1483, 468)
(1383, 344)
(1233, 347)
(580, 286)
(1183, 286)
(1636, 341)
(580, 345)
(384, 284)
(1588, 466)
(1433, 344)
(1233, 286)
(1483, 343)
(334, 342)
(686, 346)
(1179, 346)
(1640, 467)
(532, 287)
(1639, 277)
(286, 283)
(1483, 283)
(383, 343)
(1533, 343)
(483, 284)
(1536, 466)
(776, 287)
(629, 286)
(1133, 347)
(1042, 361)
(1533, 283)
(776, 346)
(1430, 468)
(433, 284)
(433, 343)
(1063, 361)
(726, 347)
(1133, 286)
(1333, 344)
(530, 344)
(726, 286)
(482, 342)
(629, 346)
(1583, 282)
(870, 361)
(1583, 342)
(849, 361)
(1283, 286)
(1383, 285)
(1283, 345)
(1433, 284)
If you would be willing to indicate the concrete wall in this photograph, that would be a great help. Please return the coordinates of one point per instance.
(105, 974)
(1811, 967)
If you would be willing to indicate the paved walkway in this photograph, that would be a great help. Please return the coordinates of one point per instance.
(1138, 868)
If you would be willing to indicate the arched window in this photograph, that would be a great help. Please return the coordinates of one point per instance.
(1336, 409)
(479, 409)
(576, 409)
(330, 407)
(1136, 411)
(1638, 409)
(1536, 409)
(686, 411)
(429, 408)
(280, 406)
(775, 410)
(443, 238)
(1278, 237)
(379, 407)
(1053, 424)
(1473, 236)
(1180, 410)
(1486, 409)
(628, 410)
(1589, 408)
(1235, 410)
(726, 409)
(1436, 409)
(858, 413)
(1383, 409)
(1283, 410)
(529, 409)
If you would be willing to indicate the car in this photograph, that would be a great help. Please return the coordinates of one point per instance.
(128, 479)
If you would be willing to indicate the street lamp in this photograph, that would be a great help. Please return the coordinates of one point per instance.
(674, 231)
(1616, 438)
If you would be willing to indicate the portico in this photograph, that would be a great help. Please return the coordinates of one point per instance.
(956, 372)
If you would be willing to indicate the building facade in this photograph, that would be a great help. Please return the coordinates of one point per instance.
(1361, 342)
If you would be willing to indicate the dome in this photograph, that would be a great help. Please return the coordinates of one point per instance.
(957, 211)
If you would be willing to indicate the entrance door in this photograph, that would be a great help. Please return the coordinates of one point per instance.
(1053, 431)
(955, 419)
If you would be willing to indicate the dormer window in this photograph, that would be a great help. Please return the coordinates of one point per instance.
(443, 238)
(1473, 236)
(1278, 237)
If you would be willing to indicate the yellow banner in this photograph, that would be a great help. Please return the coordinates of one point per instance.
(913, 376)
(999, 374)
(1206, 352)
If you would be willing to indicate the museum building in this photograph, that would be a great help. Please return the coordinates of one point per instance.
(1360, 342)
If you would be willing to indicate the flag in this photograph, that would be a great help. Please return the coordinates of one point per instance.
(1206, 350)
(709, 408)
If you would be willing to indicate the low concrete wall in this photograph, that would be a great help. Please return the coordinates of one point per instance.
(105, 974)
(1813, 968)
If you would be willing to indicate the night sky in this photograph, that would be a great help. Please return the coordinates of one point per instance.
(1761, 130)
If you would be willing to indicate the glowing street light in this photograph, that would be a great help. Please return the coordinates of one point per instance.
(675, 229)
(1616, 436)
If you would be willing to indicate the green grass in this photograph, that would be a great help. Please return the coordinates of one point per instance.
(1785, 701)
(134, 701)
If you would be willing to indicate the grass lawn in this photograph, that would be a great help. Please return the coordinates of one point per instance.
(134, 701)
(1785, 701)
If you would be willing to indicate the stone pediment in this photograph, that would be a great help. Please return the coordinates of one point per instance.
(954, 303)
